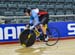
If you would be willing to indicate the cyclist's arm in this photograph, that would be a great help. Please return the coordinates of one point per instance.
(34, 18)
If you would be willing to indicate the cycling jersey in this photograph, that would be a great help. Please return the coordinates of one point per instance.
(37, 16)
(41, 13)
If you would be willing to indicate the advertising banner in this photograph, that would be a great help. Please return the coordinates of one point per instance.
(65, 28)
(11, 32)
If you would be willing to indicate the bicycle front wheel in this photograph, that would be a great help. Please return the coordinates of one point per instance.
(27, 38)
(53, 35)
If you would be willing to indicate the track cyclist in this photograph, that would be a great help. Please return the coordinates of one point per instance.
(40, 17)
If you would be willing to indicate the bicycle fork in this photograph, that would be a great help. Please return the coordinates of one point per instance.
(37, 33)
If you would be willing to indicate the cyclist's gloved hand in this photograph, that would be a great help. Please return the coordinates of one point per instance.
(29, 25)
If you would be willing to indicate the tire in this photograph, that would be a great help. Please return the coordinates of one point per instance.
(25, 40)
(53, 35)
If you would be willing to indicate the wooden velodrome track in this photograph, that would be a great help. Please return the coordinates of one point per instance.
(63, 47)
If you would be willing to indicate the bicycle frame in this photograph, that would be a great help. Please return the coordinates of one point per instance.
(28, 36)
(37, 32)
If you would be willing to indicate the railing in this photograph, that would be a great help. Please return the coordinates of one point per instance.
(25, 19)
(28, 16)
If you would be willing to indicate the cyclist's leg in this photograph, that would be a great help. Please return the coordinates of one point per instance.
(44, 28)
(44, 25)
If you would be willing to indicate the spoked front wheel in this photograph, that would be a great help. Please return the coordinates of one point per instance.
(53, 35)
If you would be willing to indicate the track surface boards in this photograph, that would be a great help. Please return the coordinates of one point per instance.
(63, 47)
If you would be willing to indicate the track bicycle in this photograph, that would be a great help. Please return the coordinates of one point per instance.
(28, 36)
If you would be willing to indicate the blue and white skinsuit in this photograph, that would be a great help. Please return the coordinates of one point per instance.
(34, 18)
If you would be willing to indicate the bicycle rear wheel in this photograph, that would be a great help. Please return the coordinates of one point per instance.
(27, 38)
(53, 35)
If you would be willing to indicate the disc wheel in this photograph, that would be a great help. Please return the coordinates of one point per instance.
(27, 38)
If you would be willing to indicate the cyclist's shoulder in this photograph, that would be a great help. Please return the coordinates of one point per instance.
(36, 10)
